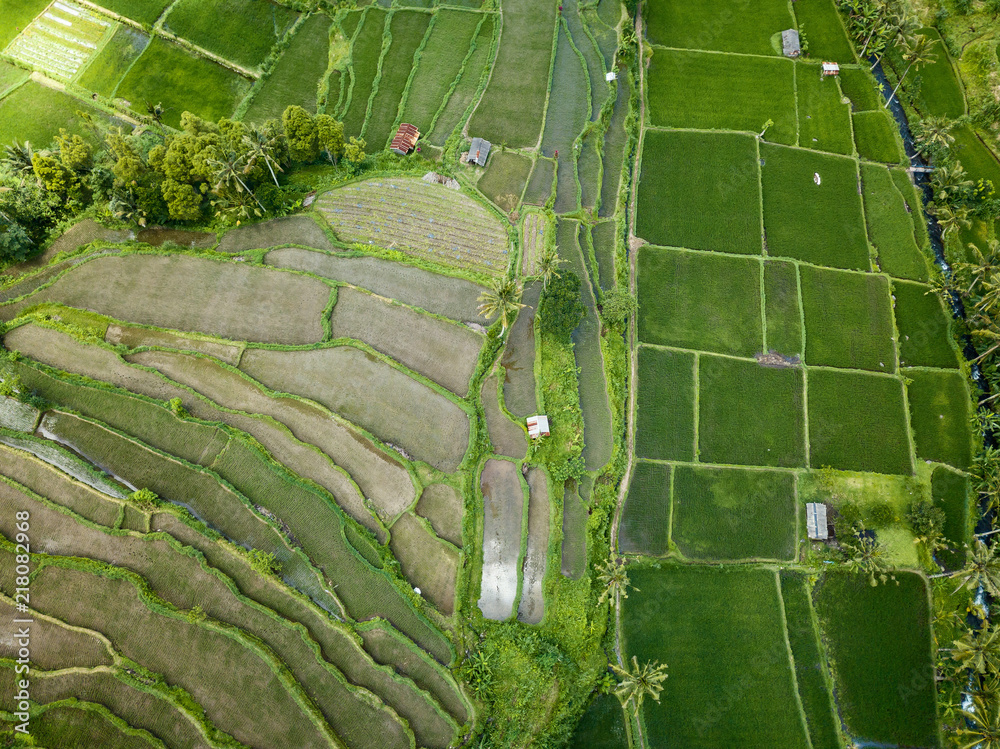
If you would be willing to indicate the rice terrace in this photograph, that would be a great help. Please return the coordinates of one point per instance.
(429, 374)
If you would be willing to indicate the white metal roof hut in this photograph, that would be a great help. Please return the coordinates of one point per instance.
(816, 521)
(538, 426)
(479, 151)
(790, 44)
(830, 68)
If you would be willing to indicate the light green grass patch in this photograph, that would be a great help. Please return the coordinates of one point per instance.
(824, 119)
(467, 88)
(733, 93)
(880, 642)
(408, 29)
(665, 426)
(848, 320)
(438, 65)
(890, 227)
(731, 513)
(602, 726)
(511, 109)
(505, 176)
(143, 11)
(724, 26)
(241, 31)
(979, 161)
(819, 223)
(749, 414)
(925, 337)
(539, 188)
(700, 301)
(700, 191)
(645, 523)
(365, 52)
(857, 422)
(951, 493)
(941, 92)
(811, 672)
(875, 136)
(16, 15)
(181, 81)
(722, 633)
(295, 78)
(860, 87)
(35, 113)
(783, 308)
(819, 21)
(112, 62)
(940, 407)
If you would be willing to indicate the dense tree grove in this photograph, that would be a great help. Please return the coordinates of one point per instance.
(223, 172)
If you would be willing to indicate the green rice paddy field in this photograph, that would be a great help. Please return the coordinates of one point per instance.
(755, 376)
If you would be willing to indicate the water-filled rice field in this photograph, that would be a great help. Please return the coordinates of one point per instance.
(503, 499)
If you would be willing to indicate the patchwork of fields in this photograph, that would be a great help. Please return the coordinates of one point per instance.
(293, 452)
(785, 332)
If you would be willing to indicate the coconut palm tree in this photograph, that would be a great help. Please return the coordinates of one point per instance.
(548, 266)
(982, 568)
(262, 145)
(866, 555)
(17, 157)
(949, 181)
(639, 681)
(934, 134)
(917, 53)
(984, 266)
(950, 218)
(501, 299)
(613, 579)
(227, 166)
(979, 651)
(983, 728)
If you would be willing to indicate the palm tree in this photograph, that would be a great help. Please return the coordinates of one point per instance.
(866, 555)
(897, 27)
(548, 266)
(983, 267)
(979, 651)
(983, 728)
(949, 181)
(262, 147)
(17, 157)
(982, 568)
(917, 53)
(613, 579)
(949, 218)
(636, 683)
(156, 112)
(501, 299)
(934, 134)
(228, 167)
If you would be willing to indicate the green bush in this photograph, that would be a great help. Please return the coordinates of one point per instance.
(561, 307)
(881, 514)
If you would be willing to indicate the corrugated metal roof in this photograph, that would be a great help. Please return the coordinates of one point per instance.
(405, 140)
(816, 525)
(479, 151)
(790, 43)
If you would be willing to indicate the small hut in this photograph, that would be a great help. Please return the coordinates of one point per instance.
(405, 140)
(830, 68)
(790, 44)
(816, 521)
(538, 426)
(479, 151)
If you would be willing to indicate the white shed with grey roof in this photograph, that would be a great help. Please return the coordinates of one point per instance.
(479, 151)
(816, 521)
(790, 43)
